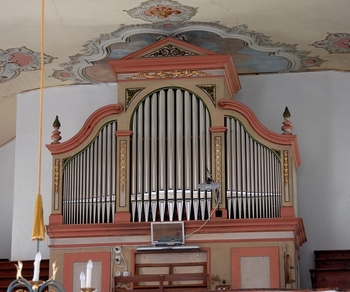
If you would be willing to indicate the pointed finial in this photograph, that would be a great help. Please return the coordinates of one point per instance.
(287, 124)
(56, 137)
(56, 123)
(286, 112)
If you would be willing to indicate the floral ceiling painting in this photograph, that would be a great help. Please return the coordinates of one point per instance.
(253, 52)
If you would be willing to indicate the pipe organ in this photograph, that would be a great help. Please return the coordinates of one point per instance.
(253, 175)
(88, 181)
(170, 154)
(174, 126)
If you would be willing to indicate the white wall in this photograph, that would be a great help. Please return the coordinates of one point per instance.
(319, 103)
(7, 171)
(73, 105)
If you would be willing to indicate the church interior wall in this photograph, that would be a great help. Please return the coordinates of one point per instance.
(318, 103)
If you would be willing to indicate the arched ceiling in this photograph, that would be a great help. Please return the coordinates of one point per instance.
(270, 36)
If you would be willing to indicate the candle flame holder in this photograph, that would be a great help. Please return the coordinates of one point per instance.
(88, 289)
(21, 284)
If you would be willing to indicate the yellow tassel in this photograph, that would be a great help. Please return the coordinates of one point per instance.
(38, 232)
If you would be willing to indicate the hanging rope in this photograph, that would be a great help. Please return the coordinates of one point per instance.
(41, 93)
(38, 232)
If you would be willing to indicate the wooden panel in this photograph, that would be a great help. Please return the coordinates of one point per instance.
(332, 254)
(332, 269)
(261, 255)
(330, 278)
(181, 262)
(325, 263)
(179, 282)
(74, 263)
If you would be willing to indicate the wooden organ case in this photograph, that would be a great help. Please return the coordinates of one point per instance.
(141, 160)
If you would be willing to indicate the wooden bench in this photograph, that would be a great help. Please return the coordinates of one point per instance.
(332, 269)
(162, 283)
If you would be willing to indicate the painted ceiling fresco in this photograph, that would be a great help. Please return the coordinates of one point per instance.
(263, 37)
(253, 52)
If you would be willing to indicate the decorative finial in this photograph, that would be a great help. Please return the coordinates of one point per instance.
(56, 137)
(287, 124)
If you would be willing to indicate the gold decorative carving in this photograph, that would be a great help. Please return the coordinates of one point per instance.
(218, 171)
(169, 51)
(57, 176)
(286, 175)
(130, 94)
(172, 74)
(209, 90)
(123, 145)
(285, 166)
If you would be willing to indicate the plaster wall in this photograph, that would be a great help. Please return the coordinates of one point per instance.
(7, 169)
(319, 104)
(73, 105)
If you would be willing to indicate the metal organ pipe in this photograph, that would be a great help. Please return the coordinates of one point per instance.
(179, 127)
(154, 154)
(253, 175)
(179, 152)
(89, 181)
(146, 160)
(133, 173)
(171, 153)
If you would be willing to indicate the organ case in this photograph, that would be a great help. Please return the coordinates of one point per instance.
(142, 159)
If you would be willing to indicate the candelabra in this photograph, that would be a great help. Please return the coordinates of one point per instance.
(35, 285)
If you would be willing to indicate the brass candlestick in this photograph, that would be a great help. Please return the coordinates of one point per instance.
(88, 289)
(35, 286)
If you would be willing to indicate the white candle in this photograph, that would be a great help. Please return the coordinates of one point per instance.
(88, 274)
(37, 267)
(82, 280)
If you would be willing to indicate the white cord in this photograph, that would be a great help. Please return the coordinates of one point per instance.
(206, 221)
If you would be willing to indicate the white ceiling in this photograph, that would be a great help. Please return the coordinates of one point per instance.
(69, 24)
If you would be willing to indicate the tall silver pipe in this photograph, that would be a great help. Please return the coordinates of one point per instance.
(171, 153)
(154, 155)
(140, 181)
(146, 159)
(202, 145)
(179, 139)
(154, 143)
(187, 154)
(147, 146)
(162, 143)
(244, 171)
(195, 143)
(229, 158)
(179, 153)
(133, 177)
(171, 143)
(187, 146)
